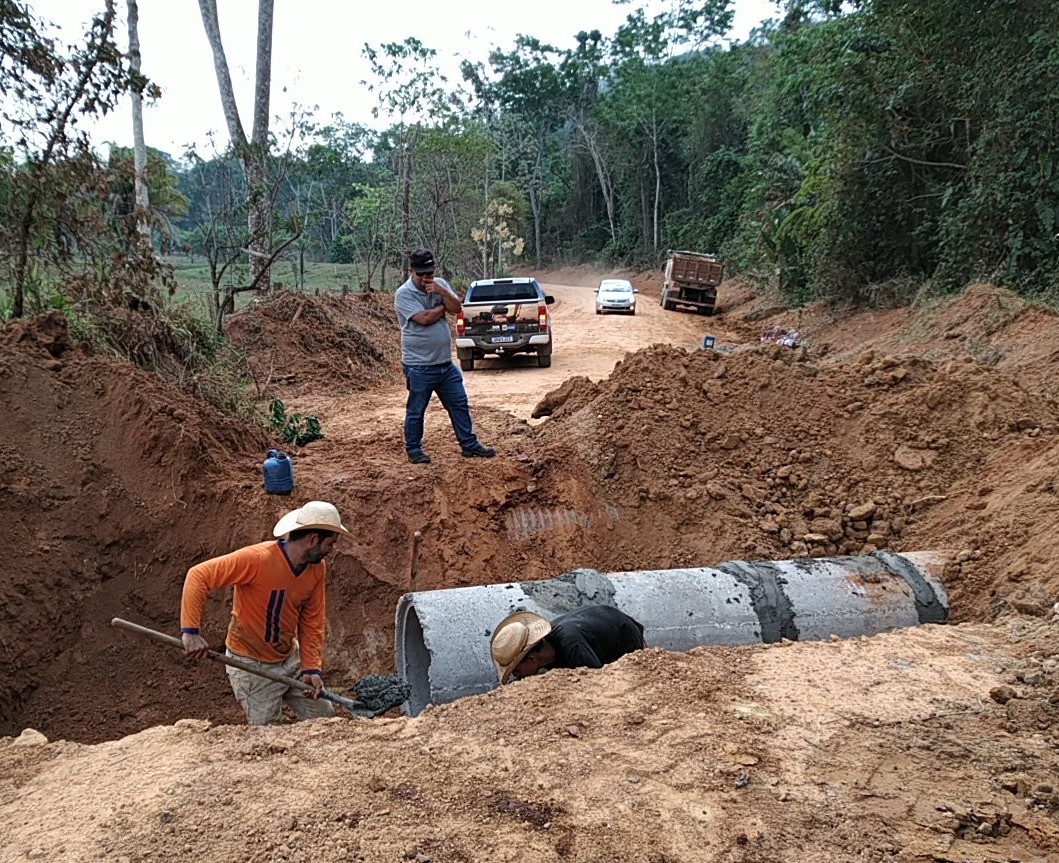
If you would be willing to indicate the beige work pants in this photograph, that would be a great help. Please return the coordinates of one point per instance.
(262, 699)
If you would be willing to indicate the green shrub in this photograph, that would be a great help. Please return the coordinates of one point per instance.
(295, 428)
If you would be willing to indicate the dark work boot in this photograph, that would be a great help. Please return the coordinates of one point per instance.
(478, 451)
(419, 457)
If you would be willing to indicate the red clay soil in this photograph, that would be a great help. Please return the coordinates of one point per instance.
(679, 457)
(294, 343)
(932, 428)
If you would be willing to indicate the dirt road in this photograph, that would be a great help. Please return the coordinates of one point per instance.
(586, 344)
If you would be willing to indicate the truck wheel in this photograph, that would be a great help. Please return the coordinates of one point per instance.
(467, 364)
(544, 360)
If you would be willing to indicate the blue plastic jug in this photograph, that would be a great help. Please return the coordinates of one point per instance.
(279, 473)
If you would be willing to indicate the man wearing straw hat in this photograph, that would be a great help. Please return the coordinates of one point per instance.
(525, 643)
(278, 612)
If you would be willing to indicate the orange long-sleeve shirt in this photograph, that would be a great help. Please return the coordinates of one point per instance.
(272, 605)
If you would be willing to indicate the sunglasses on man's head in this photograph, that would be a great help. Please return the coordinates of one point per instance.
(427, 275)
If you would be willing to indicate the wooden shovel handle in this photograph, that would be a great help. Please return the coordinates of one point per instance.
(292, 682)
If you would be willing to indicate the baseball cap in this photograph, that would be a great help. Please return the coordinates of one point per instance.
(421, 261)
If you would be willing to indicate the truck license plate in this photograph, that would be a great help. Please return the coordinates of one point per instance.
(497, 340)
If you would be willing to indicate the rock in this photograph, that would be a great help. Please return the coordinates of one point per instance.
(716, 491)
(1031, 598)
(729, 442)
(751, 493)
(573, 730)
(30, 737)
(914, 459)
(863, 512)
(1002, 694)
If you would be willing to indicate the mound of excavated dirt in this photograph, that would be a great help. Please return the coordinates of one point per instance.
(296, 343)
(767, 452)
(933, 744)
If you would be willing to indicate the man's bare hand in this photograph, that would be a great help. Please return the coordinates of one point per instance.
(316, 682)
(195, 646)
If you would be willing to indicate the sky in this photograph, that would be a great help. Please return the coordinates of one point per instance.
(317, 60)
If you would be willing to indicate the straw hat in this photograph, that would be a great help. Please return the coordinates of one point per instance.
(315, 515)
(514, 637)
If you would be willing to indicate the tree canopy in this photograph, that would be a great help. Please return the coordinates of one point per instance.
(857, 150)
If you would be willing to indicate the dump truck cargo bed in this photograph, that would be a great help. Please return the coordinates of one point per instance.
(691, 280)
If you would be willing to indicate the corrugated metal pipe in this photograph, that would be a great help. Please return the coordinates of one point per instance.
(443, 635)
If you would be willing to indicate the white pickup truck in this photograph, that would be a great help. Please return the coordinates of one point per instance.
(501, 317)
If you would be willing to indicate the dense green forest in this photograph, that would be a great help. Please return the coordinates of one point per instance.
(866, 151)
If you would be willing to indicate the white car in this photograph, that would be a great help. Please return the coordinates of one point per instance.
(616, 295)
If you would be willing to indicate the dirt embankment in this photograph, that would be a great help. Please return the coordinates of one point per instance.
(905, 430)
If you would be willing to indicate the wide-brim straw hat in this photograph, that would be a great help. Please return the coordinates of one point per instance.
(315, 515)
(514, 637)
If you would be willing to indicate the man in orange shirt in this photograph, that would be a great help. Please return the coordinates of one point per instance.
(278, 612)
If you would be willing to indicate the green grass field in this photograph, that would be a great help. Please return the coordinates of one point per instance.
(193, 279)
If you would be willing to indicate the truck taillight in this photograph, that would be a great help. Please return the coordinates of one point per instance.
(461, 324)
(542, 318)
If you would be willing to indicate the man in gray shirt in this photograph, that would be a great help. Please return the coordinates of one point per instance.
(421, 304)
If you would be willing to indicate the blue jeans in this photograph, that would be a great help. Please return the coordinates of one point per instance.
(445, 380)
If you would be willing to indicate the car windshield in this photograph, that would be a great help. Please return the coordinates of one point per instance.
(491, 292)
(616, 287)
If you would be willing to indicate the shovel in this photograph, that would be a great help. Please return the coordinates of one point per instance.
(357, 708)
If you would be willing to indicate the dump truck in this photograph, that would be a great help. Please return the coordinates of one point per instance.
(690, 283)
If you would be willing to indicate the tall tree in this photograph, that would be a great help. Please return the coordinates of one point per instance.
(647, 103)
(252, 152)
(411, 90)
(583, 70)
(524, 103)
(143, 204)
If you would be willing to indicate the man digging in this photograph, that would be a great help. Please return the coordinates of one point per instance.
(278, 613)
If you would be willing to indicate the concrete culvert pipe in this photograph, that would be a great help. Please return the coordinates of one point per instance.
(443, 636)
